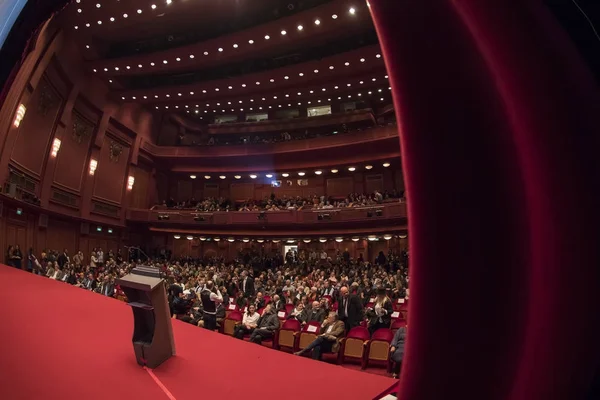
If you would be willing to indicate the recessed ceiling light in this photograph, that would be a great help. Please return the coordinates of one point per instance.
(178, 59)
(98, 5)
(222, 176)
(112, 19)
(191, 56)
(286, 77)
(368, 167)
(76, 27)
(237, 177)
(191, 94)
(271, 80)
(105, 69)
(386, 164)
(79, 10)
(378, 56)
(229, 87)
(301, 74)
(362, 60)
(352, 10)
(216, 89)
(152, 64)
(269, 175)
(235, 46)
(251, 41)
(87, 46)
(346, 63)
(374, 79)
(139, 11)
(331, 67)
(283, 32)
(203, 90)
(386, 77)
(316, 71)
(243, 85)
(351, 169)
(125, 15)
(206, 176)
(318, 172)
(285, 175)
(99, 22)
(301, 173)
(206, 53)
(253, 176)
(153, 6)
(334, 16)
(95, 70)
(169, 2)
(123, 98)
(317, 22)
(258, 83)
(334, 171)
(220, 49)
(267, 37)
(139, 65)
(165, 62)
(300, 27)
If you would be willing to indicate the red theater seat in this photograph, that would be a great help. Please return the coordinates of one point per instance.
(234, 318)
(310, 331)
(397, 324)
(288, 334)
(378, 349)
(355, 345)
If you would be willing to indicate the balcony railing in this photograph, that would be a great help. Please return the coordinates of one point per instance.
(395, 210)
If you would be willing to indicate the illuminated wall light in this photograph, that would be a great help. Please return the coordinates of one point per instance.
(339, 240)
(202, 238)
(351, 169)
(216, 239)
(55, 147)
(130, 182)
(301, 173)
(260, 240)
(237, 177)
(192, 176)
(322, 240)
(387, 237)
(177, 237)
(334, 171)
(306, 240)
(269, 175)
(355, 239)
(368, 167)
(245, 240)
(206, 176)
(387, 164)
(318, 172)
(19, 115)
(285, 174)
(253, 176)
(222, 177)
(300, 27)
(230, 240)
(93, 166)
(189, 237)
(317, 22)
(372, 238)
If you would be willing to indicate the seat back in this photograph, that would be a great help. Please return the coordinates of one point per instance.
(354, 345)
(289, 308)
(287, 333)
(397, 324)
(379, 346)
(310, 331)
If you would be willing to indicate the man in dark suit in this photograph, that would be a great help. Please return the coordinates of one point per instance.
(278, 304)
(350, 309)
(268, 323)
(107, 288)
(316, 313)
(89, 283)
(247, 284)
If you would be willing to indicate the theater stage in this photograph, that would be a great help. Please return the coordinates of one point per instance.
(58, 342)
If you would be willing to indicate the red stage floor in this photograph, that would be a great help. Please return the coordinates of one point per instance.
(61, 342)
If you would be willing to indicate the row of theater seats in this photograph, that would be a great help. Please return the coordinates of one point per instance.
(358, 345)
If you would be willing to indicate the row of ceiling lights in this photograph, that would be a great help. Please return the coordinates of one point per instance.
(243, 85)
(286, 174)
(371, 238)
(283, 32)
(319, 101)
(113, 19)
(286, 95)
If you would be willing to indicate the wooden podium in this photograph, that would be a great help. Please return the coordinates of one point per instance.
(152, 339)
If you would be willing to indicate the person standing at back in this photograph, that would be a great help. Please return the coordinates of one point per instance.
(210, 298)
(350, 309)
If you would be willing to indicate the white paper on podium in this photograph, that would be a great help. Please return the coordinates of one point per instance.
(401, 301)
(311, 328)
(232, 306)
(395, 314)
(281, 314)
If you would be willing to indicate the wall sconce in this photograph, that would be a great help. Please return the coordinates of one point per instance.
(130, 182)
(387, 237)
(19, 115)
(93, 166)
(55, 147)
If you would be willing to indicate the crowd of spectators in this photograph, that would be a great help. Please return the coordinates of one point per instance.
(273, 203)
(315, 285)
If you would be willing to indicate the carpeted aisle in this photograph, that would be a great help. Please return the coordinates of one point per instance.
(58, 341)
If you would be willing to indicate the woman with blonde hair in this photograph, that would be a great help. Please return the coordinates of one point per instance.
(380, 314)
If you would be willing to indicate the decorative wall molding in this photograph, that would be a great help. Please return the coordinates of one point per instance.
(115, 151)
(47, 99)
(82, 129)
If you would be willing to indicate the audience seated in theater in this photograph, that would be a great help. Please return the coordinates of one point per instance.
(89, 282)
(249, 323)
(268, 323)
(107, 288)
(332, 330)
(316, 314)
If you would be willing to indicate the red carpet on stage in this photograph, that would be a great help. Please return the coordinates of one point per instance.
(58, 341)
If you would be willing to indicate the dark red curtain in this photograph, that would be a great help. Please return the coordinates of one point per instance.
(498, 126)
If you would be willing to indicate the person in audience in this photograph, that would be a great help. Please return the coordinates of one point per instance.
(350, 309)
(332, 330)
(89, 282)
(32, 262)
(380, 314)
(210, 297)
(247, 284)
(249, 323)
(108, 287)
(278, 304)
(93, 260)
(397, 350)
(315, 314)
(16, 257)
(63, 259)
(58, 273)
(259, 302)
(267, 324)
(299, 313)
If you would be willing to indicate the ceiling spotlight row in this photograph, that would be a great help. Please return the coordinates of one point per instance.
(371, 238)
(284, 96)
(287, 174)
(113, 19)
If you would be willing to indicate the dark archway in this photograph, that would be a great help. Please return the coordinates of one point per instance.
(499, 135)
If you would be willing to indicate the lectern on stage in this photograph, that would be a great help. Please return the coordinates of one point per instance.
(152, 339)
